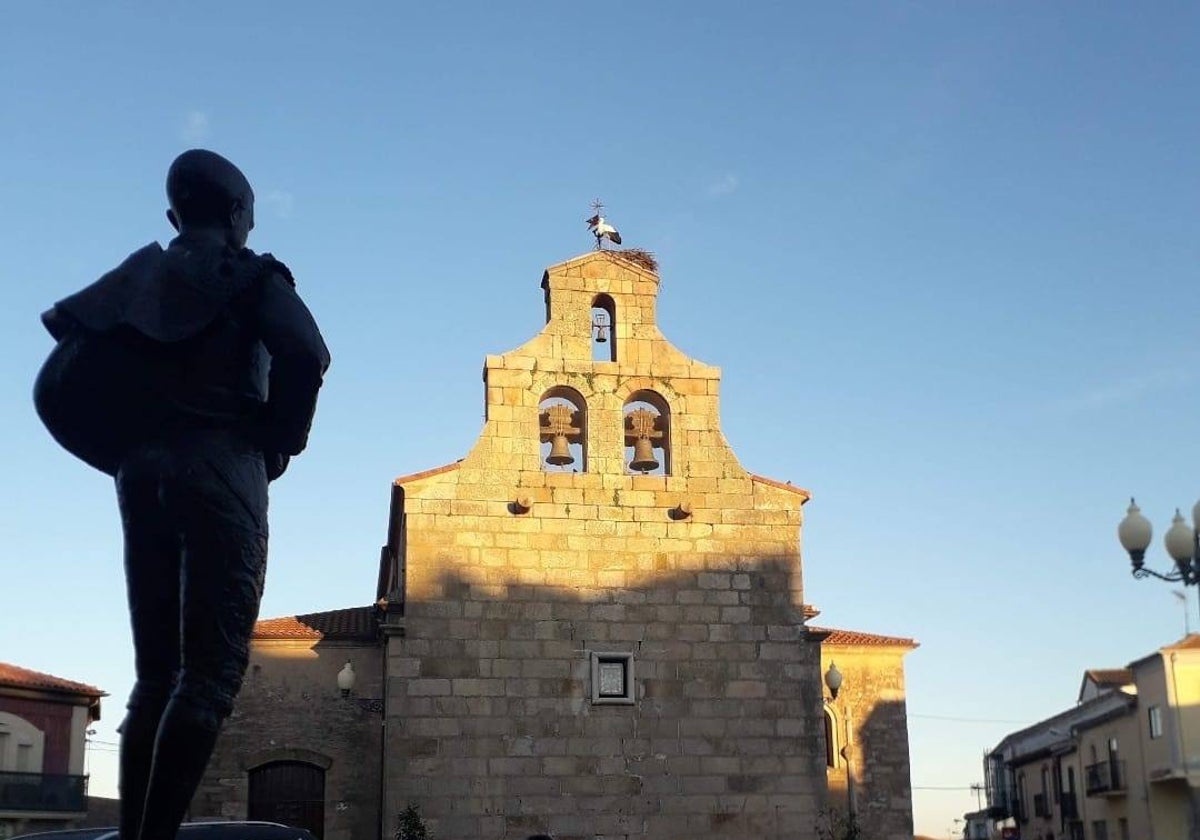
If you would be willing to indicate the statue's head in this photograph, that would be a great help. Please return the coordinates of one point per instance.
(207, 192)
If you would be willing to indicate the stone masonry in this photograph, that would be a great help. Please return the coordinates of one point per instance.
(289, 711)
(502, 580)
(503, 585)
(869, 722)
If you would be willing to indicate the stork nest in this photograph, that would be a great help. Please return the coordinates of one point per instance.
(637, 256)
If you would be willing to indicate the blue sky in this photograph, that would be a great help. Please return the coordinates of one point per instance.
(943, 253)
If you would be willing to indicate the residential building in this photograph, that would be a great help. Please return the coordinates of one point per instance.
(43, 729)
(1123, 763)
(593, 625)
(979, 825)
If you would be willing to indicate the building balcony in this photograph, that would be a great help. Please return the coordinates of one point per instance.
(1069, 806)
(1105, 778)
(1041, 805)
(43, 793)
(1016, 809)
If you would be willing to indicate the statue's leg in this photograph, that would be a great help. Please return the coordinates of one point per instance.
(152, 569)
(224, 564)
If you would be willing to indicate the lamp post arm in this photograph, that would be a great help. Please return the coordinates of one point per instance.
(1173, 577)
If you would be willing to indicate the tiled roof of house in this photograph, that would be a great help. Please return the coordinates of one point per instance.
(18, 677)
(353, 624)
(855, 638)
(1189, 642)
(1109, 677)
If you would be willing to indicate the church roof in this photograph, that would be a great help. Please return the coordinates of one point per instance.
(635, 258)
(353, 624)
(856, 638)
(361, 623)
(404, 479)
(782, 485)
(15, 676)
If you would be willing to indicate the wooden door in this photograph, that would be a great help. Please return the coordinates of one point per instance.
(289, 792)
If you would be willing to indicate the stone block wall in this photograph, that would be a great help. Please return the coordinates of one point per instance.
(290, 709)
(514, 575)
(870, 720)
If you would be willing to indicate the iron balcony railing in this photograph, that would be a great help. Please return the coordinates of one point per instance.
(1070, 809)
(1105, 777)
(53, 792)
(1016, 809)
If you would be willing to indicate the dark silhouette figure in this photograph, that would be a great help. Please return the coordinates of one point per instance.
(189, 374)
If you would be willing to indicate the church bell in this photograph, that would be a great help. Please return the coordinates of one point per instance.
(560, 452)
(643, 456)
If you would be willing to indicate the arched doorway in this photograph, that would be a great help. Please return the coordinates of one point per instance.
(289, 792)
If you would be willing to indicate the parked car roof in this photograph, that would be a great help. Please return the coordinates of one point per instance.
(188, 831)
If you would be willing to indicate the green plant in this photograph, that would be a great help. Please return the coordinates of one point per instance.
(411, 827)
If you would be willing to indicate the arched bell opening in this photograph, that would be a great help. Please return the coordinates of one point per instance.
(647, 434)
(604, 329)
(562, 430)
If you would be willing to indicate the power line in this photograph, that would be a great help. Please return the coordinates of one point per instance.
(966, 720)
(943, 787)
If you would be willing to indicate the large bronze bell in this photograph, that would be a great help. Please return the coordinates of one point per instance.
(643, 455)
(560, 452)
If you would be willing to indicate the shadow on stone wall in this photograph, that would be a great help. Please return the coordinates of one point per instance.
(884, 784)
(492, 731)
(490, 727)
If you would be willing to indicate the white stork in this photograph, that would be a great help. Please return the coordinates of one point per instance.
(603, 230)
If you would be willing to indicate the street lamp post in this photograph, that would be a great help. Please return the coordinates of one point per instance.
(833, 681)
(1181, 542)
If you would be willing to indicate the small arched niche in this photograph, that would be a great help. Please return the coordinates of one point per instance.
(604, 329)
(831, 740)
(562, 430)
(647, 434)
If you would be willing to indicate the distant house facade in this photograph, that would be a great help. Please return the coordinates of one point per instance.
(43, 730)
(1122, 764)
(593, 625)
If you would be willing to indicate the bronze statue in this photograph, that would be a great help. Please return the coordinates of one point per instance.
(190, 375)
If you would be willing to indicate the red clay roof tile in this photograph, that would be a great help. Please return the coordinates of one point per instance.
(355, 623)
(18, 677)
(855, 638)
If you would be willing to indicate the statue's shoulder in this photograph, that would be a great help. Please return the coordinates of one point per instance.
(136, 263)
(271, 265)
(153, 251)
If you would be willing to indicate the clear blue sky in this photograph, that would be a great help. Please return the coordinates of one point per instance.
(946, 254)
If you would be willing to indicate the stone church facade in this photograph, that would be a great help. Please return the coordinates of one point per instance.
(591, 626)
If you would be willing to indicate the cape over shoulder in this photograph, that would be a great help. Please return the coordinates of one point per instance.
(166, 295)
(277, 266)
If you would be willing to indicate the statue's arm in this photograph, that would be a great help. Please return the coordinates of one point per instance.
(299, 360)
